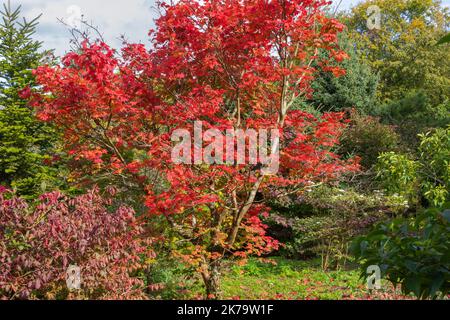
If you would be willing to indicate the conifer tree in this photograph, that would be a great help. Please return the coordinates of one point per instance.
(25, 142)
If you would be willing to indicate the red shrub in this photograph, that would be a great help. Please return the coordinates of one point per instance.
(39, 241)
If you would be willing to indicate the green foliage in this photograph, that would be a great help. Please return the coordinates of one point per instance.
(24, 142)
(403, 51)
(413, 93)
(413, 252)
(435, 159)
(413, 106)
(414, 114)
(323, 222)
(356, 89)
(398, 174)
(428, 176)
(367, 138)
(445, 39)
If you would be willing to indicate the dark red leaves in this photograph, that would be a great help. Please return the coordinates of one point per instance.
(39, 242)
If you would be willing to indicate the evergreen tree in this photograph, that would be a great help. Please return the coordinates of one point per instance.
(25, 142)
(356, 89)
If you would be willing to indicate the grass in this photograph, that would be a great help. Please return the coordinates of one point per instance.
(278, 278)
(281, 279)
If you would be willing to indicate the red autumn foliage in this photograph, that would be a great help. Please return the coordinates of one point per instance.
(39, 241)
(231, 64)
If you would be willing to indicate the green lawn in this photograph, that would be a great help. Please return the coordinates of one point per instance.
(287, 279)
(273, 279)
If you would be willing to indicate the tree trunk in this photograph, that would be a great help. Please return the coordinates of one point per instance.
(241, 214)
(211, 279)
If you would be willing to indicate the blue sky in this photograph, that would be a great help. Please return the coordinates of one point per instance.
(132, 18)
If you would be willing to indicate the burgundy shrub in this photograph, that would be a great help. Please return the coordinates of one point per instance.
(40, 240)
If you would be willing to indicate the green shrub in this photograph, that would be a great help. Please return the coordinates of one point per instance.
(398, 174)
(324, 221)
(413, 252)
(428, 176)
(367, 138)
(413, 115)
(435, 170)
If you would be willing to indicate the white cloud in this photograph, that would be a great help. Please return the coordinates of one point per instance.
(133, 18)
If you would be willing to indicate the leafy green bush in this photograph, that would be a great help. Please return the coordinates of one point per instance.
(435, 159)
(367, 138)
(413, 252)
(414, 114)
(324, 221)
(398, 174)
(427, 176)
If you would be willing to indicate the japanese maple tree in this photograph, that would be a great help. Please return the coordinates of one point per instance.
(230, 64)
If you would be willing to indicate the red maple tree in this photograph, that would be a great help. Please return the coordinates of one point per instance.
(230, 64)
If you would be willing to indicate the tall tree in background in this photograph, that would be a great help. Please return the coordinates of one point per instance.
(24, 141)
(356, 89)
(403, 50)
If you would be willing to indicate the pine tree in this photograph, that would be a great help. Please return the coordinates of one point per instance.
(25, 142)
(356, 89)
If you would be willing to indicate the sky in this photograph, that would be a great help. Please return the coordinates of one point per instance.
(131, 18)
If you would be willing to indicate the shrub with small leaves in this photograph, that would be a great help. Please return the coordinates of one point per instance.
(323, 221)
(39, 241)
(367, 138)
